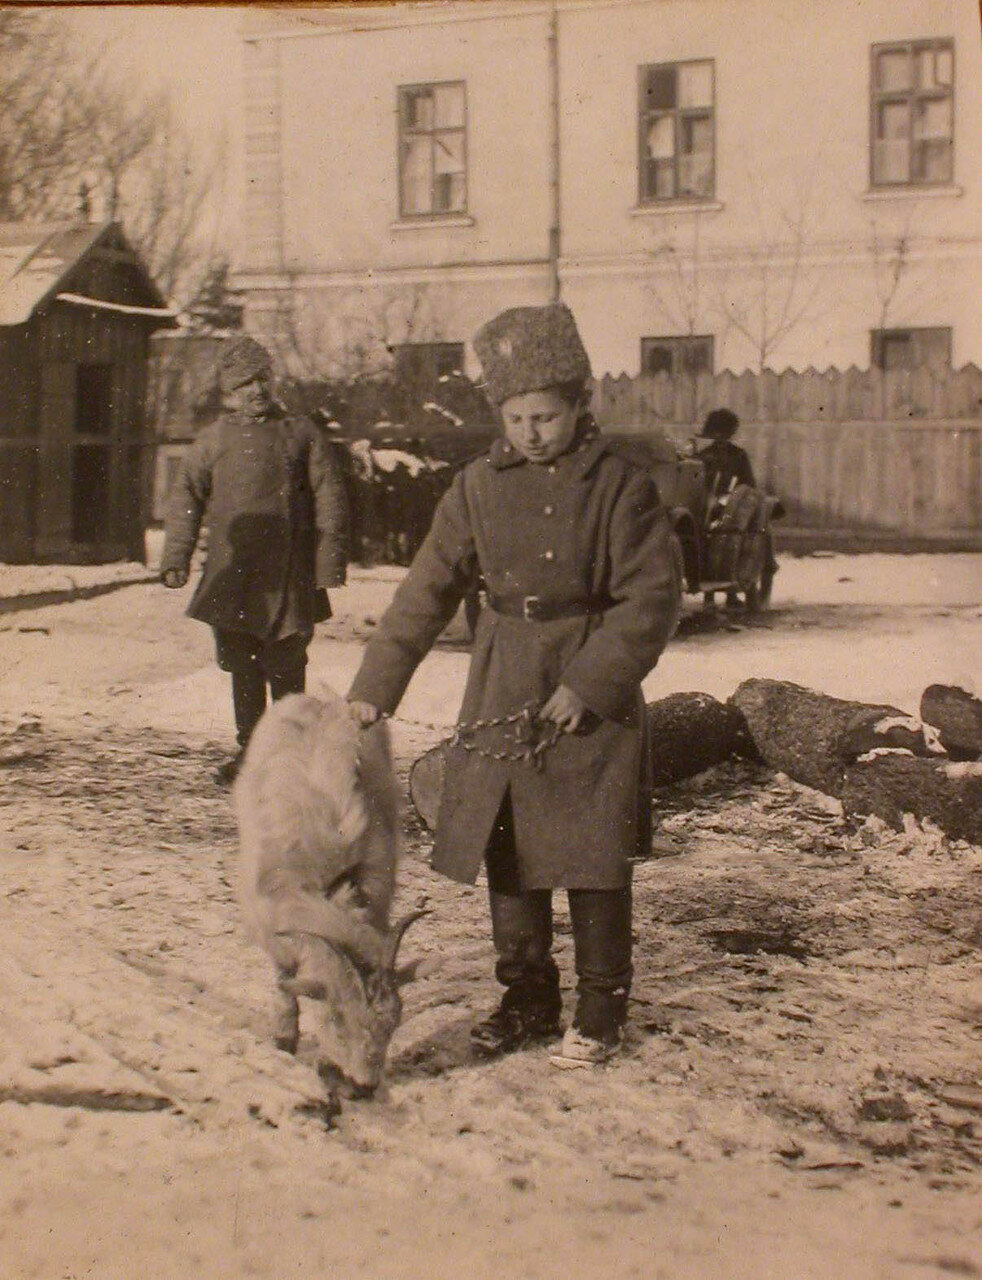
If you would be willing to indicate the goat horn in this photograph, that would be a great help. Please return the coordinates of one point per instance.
(396, 936)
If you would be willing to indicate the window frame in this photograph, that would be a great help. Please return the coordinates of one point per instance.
(678, 113)
(912, 332)
(910, 96)
(402, 353)
(677, 342)
(403, 93)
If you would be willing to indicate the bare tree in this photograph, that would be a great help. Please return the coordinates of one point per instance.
(350, 335)
(42, 117)
(777, 288)
(676, 290)
(68, 119)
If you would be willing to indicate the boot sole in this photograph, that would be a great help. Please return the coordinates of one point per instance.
(526, 1042)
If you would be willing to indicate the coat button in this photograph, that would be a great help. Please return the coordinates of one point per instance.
(549, 555)
(549, 509)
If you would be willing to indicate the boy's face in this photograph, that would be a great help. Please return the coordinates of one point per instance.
(539, 424)
(252, 397)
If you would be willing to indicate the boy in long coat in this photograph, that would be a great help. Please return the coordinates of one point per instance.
(277, 519)
(546, 784)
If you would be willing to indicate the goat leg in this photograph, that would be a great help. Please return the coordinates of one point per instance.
(286, 1014)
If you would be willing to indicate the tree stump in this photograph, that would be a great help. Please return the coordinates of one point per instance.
(957, 715)
(690, 732)
(947, 793)
(803, 733)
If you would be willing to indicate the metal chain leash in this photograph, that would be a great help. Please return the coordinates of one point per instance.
(531, 739)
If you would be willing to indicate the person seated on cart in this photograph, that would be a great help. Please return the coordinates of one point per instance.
(731, 487)
(726, 464)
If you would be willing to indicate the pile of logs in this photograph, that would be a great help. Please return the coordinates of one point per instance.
(876, 759)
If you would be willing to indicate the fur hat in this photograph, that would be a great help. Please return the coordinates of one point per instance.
(242, 359)
(720, 424)
(529, 348)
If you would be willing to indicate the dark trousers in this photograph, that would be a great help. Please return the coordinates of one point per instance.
(601, 918)
(253, 663)
(521, 924)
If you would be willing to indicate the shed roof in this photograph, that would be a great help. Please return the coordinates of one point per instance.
(36, 259)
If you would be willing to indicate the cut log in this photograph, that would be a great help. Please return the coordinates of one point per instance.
(957, 715)
(947, 793)
(690, 732)
(426, 784)
(803, 733)
(873, 731)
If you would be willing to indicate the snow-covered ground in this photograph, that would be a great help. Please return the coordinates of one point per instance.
(799, 1095)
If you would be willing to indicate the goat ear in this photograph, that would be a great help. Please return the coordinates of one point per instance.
(308, 987)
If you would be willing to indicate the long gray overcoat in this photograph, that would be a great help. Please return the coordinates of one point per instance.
(277, 516)
(588, 524)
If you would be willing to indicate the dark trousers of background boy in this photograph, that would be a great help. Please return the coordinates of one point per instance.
(253, 663)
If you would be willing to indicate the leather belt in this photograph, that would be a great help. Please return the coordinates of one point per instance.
(536, 609)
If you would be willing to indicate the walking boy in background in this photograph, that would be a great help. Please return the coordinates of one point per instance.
(582, 595)
(277, 519)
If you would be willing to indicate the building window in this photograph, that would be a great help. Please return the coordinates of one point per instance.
(677, 131)
(912, 117)
(426, 362)
(432, 149)
(675, 356)
(910, 348)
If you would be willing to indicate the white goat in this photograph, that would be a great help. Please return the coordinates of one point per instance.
(317, 806)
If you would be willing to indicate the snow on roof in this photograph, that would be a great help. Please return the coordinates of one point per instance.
(35, 257)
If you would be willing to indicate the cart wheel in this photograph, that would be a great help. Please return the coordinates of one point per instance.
(678, 555)
(767, 573)
(757, 593)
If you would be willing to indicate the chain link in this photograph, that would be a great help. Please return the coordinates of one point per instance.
(531, 739)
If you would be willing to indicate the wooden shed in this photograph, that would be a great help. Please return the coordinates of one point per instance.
(77, 308)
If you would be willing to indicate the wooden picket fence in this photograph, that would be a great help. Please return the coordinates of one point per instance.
(863, 450)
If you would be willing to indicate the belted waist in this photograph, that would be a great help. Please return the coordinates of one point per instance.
(540, 609)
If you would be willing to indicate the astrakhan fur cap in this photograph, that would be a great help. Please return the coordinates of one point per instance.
(530, 348)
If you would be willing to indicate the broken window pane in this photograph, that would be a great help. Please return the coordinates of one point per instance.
(661, 138)
(912, 113)
(448, 151)
(660, 90)
(419, 110)
(417, 175)
(432, 173)
(677, 131)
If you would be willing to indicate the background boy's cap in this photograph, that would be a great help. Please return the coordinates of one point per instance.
(720, 424)
(242, 359)
(529, 348)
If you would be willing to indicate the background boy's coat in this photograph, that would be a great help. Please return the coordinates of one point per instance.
(277, 525)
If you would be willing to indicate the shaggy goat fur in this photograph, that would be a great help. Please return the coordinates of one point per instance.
(318, 812)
